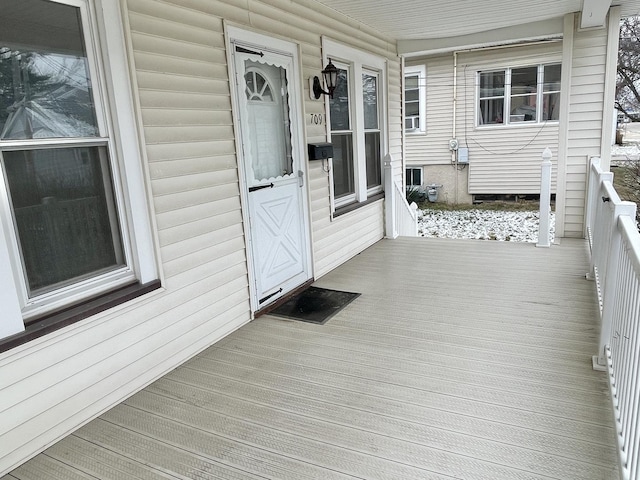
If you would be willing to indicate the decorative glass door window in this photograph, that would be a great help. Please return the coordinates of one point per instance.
(268, 115)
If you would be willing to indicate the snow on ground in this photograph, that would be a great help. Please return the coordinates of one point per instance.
(629, 151)
(481, 225)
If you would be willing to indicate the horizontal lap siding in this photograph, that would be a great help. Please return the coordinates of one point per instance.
(506, 160)
(54, 384)
(503, 160)
(432, 147)
(585, 126)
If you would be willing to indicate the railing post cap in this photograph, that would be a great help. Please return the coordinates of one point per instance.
(546, 155)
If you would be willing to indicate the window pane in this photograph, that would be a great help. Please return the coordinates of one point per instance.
(412, 96)
(44, 79)
(339, 104)
(65, 214)
(372, 152)
(343, 181)
(491, 111)
(492, 84)
(412, 109)
(552, 75)
(524, 80)
(523, 108)
(417, 176)
(414, 177)
(551, 106)
(370, 99)
(411, 81)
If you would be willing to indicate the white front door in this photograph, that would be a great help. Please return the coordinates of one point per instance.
(274, 179)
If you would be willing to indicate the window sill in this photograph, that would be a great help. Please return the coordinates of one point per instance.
(62, 318)
(501, 126)
(356, 205)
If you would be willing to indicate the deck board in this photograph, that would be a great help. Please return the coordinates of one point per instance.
(461, 359)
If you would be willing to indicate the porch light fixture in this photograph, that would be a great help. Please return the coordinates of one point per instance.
(330, 76)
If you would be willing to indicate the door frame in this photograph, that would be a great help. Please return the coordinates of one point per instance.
(257, 41)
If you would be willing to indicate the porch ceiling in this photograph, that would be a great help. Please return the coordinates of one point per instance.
(430, 19)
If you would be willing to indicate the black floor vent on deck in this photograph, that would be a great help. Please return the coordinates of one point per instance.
(314, 305)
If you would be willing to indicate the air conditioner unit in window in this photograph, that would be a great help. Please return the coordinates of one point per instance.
(412, 123)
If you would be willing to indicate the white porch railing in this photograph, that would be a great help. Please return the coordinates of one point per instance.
(615, 266)
(401, 219)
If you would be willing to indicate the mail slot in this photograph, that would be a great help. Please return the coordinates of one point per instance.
(320, 151)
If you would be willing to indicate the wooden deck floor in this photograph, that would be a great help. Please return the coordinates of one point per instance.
(461, 359)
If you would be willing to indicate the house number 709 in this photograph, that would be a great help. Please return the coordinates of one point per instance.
(317, 118)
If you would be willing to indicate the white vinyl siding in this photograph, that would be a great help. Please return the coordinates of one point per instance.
(432, 148)
(53, 384)
(586, 105)
(503, 160)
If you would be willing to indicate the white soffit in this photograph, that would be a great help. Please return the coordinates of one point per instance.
(429, 19)
(531, 32)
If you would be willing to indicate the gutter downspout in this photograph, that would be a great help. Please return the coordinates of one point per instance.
(403, 137)
(454, 160)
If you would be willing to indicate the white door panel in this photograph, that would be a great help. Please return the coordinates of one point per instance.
(272, 167)
(276, 226)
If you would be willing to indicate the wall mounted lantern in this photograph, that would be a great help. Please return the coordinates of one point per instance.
(330, 75)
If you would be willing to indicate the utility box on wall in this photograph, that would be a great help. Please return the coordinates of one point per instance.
(463, 155)
(320, 151)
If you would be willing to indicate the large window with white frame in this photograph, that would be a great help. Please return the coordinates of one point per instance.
(519, 96)
(358, 128)
(63, 197)
(415, 78)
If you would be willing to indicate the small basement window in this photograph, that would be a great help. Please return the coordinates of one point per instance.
(414, 177)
